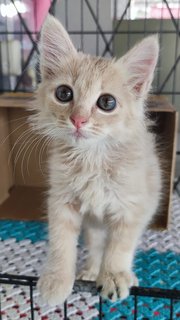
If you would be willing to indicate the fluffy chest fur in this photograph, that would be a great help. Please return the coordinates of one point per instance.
(100, 185)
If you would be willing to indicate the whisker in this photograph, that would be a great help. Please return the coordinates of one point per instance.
(17, 141)
(9, 121)
(48, 144)
(62, 122)
(42, 151)
(43, 129)
(93, 130)
(35, 140)
(50, 132)
(37, 145)
(18, 119)
(20, 150)
(23, 158)
(2, 142)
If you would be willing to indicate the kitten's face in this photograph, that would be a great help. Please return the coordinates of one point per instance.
(87, 102)
(86, 99)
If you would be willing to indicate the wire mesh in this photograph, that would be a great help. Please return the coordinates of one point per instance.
(100, 27)
(89, 286)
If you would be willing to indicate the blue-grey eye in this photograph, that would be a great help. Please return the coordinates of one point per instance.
(106, 102)
(64, 93)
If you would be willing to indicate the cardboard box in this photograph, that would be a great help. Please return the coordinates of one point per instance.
(23, 154)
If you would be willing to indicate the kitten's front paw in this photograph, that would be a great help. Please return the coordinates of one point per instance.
(90, 274)
(55, 287)
(115, 286)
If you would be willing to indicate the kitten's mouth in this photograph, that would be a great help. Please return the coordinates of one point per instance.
(79, 135)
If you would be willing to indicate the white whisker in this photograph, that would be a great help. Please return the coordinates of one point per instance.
(21, 149)
(2, 142)
(26, 132)
(42, 151)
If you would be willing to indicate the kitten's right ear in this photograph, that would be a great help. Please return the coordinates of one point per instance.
(140, 63)
(55, 46)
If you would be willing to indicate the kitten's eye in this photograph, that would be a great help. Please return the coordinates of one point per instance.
(64, 93)
(106, 102)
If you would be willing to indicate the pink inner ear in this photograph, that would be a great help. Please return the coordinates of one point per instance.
(148, 62)
(137, 87)
(144, 70)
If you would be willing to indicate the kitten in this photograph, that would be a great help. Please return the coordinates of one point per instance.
(104, 173)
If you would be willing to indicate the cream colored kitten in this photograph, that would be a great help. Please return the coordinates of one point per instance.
(103, 170)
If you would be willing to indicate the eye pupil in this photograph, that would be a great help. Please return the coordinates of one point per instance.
(106, 102)
(64, 93)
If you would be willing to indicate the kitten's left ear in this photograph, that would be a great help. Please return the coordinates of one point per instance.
(140, 63)
(55, 46)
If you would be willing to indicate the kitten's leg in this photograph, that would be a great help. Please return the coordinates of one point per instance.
(94, 238)
(57, 280)
(116, 277)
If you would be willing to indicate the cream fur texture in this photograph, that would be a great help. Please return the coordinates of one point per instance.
(104, 177)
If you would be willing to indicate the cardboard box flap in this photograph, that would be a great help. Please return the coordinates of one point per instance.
(16, 100)
(159, 104)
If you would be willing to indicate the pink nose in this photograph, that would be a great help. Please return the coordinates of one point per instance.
(78, 121)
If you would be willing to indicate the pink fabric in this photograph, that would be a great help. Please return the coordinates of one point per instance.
(36, 13)
(41, 9)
